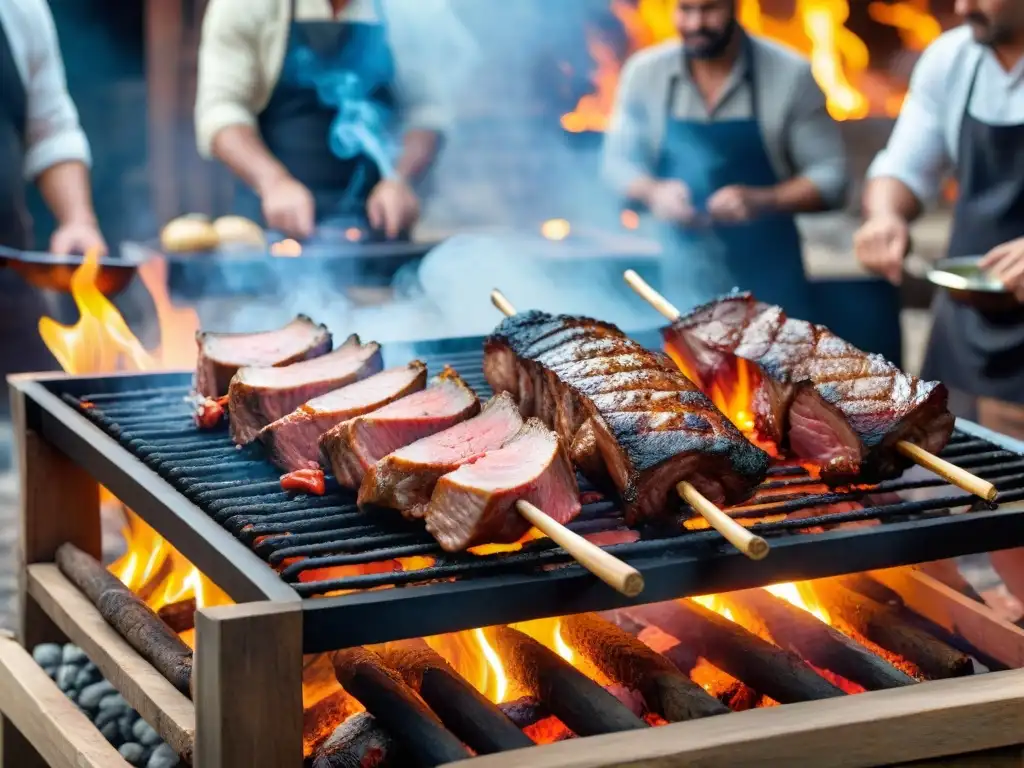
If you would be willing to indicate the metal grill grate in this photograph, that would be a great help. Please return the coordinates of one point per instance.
(324, 545)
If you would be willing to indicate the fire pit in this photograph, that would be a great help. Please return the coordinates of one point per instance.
(312, 577)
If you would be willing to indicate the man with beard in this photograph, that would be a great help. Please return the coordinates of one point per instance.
(723, 137)
(964, 112)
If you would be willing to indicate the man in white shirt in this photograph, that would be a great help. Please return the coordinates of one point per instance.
(40, 138)
(964, 111)
(327, 108)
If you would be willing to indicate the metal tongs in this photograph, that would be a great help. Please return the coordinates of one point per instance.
(52, 272)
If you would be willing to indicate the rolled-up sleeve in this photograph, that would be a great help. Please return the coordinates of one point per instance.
(625, 153)
(916, 153)
(53, 134)
(229, 70)
(815, 143)
(434, 55)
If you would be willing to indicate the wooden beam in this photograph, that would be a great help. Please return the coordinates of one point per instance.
(944, 717)
(158, 702)
(61, 733)
(973, 621)
(248, 686)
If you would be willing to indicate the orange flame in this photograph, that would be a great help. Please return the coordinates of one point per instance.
(817, 28)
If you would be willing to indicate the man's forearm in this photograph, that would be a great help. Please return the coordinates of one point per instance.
(886, 196)
(65, 188)
(797, 195)
(419, 149)
(241, 149)
(639, 189)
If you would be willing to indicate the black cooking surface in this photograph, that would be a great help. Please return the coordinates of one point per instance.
(913, 519)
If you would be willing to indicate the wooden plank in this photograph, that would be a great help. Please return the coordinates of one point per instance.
(944, 717)
(248, 686)
(62, 734)
(60, 502)
(170, 713)
(975, 622)
(1007, 757)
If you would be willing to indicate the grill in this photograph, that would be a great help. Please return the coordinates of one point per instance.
(223, 508)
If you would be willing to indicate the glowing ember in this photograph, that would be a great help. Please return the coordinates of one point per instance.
(353, 234)
(555, 229)
(802, 596)
(286, 249)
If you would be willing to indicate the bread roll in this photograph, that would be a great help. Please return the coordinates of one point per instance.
(238, 230)
(189, 233)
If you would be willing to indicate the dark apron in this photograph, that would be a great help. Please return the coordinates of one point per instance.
(330, 119)
(21, 306)
(979, 353)
(762, 256)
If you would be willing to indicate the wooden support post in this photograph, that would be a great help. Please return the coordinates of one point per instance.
(248, 686)
(60, 503)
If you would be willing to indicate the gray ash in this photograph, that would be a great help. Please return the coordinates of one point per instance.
(82, 682)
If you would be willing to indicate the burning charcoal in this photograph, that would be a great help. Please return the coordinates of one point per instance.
(132, 752)
(143, 733)
(72, 654)
(66, 675)
(162, 757)
(359, 742)
(524, 711)
(91, 695)
(47, 655)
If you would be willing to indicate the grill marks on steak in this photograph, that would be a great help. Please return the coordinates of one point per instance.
(843, 408)
(222, 354)
(292, 442)
(258, 396)
(405, 478)
(354, 446)
(475, 504)
(609, 397)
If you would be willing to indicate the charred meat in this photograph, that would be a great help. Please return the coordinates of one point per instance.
(628, 414)
(292, 442)
(813, 393)
(258, 396)
(222, 354)
(475, 504)
(352, 447)
(405, 479)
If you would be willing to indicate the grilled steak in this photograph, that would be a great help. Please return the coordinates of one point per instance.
(222, 354)
(258, 396)
(354, 446)
(475, 504)
(819, 396)
(292, 442)
(628, 414)
(405, 479)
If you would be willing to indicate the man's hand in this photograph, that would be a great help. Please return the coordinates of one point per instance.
(669, 200)
(77, 237)
(1006, 264)
(738, 204)
(880, 245)
(289, 207)
(393, 207)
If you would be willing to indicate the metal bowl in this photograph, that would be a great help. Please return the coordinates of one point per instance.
(52, 272)
(968, 284)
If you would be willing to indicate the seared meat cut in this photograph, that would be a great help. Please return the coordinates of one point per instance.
(475, 504)
(820, 396)
(292, 442)
(628, 414)
(405, 479)
(258, 396)
(354, 446)
(222, 354)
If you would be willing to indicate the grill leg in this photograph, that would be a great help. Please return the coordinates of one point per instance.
(60, 503)
(248, 686)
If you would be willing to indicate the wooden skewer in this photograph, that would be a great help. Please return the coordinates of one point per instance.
(750, 544)
(944, 469)
(612, 571)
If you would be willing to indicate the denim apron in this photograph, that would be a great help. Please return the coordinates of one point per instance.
(982, 353)
(330, 118)
(701, 263)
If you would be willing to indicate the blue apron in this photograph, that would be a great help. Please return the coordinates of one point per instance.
(331, 117)
(701, 263)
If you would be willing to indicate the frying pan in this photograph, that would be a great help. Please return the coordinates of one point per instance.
(968, 284)
(52, 272)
